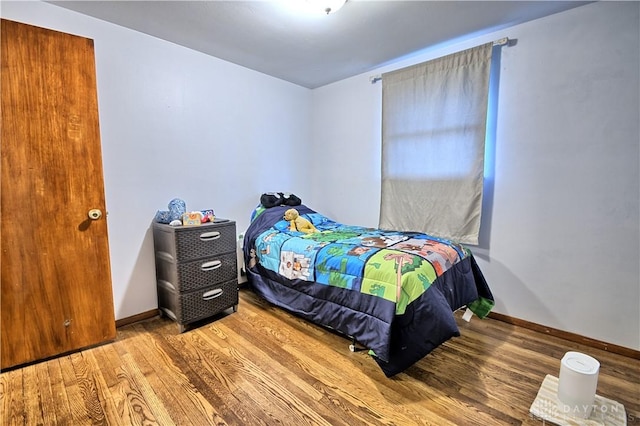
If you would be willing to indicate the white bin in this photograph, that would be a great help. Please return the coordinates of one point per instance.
(577, 384)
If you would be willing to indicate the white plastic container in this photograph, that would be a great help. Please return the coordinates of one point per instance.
(577, 384)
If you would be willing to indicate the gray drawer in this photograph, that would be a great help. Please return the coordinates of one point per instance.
(187, 276)
(185, 308)
(181, 243)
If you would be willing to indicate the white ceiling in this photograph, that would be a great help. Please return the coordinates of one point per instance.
(312, 50)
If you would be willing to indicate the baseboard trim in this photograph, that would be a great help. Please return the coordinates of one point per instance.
(137, 318)
(572, 337)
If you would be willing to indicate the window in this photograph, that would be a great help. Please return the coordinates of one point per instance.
(434, 118)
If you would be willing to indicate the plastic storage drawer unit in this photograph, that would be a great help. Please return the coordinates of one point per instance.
(196, 270)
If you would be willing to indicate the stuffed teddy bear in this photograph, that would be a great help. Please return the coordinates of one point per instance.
(298, 223)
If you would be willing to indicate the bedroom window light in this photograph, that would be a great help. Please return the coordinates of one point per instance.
(434, 124)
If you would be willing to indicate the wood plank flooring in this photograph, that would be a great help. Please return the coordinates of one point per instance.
(264, 366)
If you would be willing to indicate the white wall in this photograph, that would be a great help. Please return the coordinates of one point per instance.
(178, 123)
(560, 240)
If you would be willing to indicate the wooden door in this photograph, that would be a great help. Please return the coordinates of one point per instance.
(56, 280)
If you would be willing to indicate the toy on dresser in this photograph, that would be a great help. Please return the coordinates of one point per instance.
(177, 215)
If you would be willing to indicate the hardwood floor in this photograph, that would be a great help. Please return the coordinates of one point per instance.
(264, 366)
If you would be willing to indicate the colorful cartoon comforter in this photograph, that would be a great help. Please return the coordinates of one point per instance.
(394, 292)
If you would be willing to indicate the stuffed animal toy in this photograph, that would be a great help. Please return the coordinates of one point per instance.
(273, 199)
(177, 208)
(299, 223)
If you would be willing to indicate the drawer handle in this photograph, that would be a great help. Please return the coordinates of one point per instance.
(210, 266)
(166, 284)
(212, 294)
(209, 236)
(165, 256)
(169, 313)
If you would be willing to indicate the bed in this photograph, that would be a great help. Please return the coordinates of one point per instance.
(393, 292)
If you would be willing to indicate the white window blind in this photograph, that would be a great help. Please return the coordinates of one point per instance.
(433, 129)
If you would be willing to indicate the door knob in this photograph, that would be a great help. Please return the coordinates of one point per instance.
(95, 214)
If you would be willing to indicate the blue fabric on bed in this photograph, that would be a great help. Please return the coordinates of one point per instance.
(398, 341)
